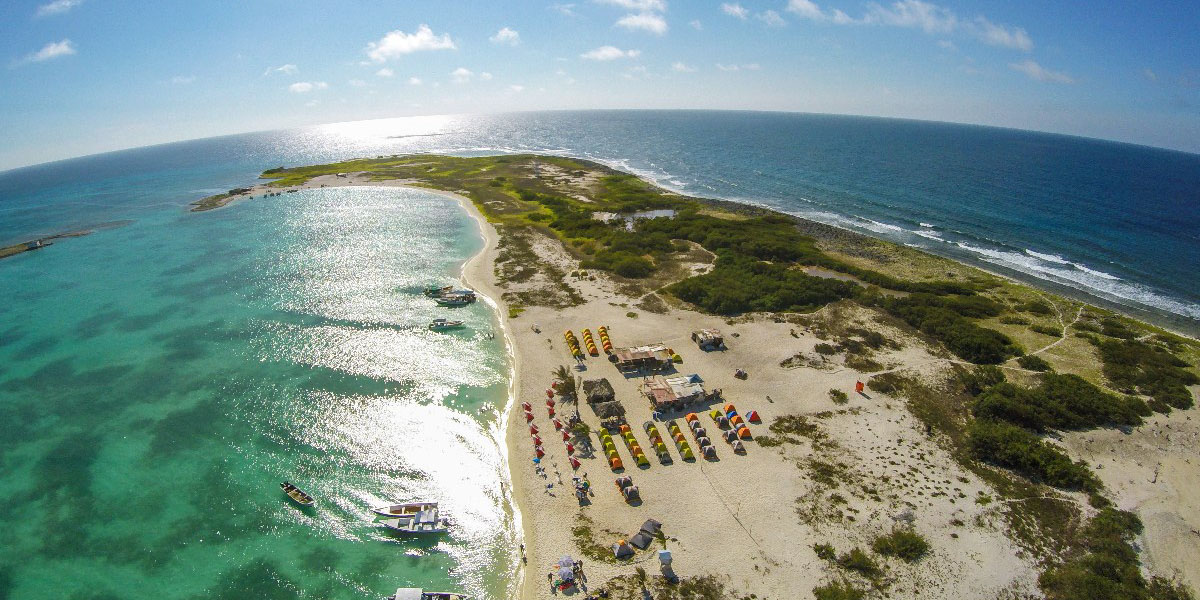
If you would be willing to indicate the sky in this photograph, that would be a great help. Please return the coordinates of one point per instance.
(84, 76)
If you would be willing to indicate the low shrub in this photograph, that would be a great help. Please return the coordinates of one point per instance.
(1034, 363)
(905, 544)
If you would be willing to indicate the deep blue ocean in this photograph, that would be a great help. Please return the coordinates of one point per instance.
(159, 377)
(1115, 223)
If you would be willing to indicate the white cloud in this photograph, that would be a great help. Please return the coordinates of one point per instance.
(645, 21)
(414, 81)
(771, 18)
(288, 69)
(913, 13)
(1040, 73)
(695, 23)
(735, 10)
(506, 36)
(656, 5)
(609, 53)
(680, 67)
(735, 67)
(638, 72)
(947, 44)
(516, 88)
(357, 83)
(485, 76)
(183, 79)
(304, 87)
(397, 43)
(806, 9)
(999, 35)
(563, 9)
(461, 75)
(57, 7)
(384, 72)
(49, 51)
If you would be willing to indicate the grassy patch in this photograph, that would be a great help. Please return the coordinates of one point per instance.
(905, 544)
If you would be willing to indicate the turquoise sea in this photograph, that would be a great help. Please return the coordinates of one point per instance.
(160, 377)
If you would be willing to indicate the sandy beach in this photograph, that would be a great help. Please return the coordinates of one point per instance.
(862, 468)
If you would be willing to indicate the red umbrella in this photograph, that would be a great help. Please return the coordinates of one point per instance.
(574, 463)
(550, 403)
(551, 411)
(566, 436)
(557, 424)
(526, 406)
(528, 417)
(537, 440)
(533, 429)
(570, 449)
(549, 393)
(539, 452)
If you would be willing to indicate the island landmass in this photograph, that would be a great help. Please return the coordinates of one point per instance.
(920, 427)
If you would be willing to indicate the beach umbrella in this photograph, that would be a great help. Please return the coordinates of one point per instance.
(566, 436)
(570, 449)
(537, 461)
(566, 574)
(551, 411)
(550, 402)
(533, 429)
(528, 417)
(549, 393)
(539, 452)
(566, 561)
(557, 424)
(574, 463)
(526, 406)
(537, 441)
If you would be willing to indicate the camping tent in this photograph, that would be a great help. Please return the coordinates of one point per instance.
(566, 574)
(621, 549)
(709, 452)
(651, 526)
(624, 481)
(641, 540)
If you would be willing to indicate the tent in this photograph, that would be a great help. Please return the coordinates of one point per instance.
(624, 481)
(566, 561)
(753, 417)
(664, 557)
(715, 414)
(700, 432)
(703, 441)
(566, 574)
(744, 433)
(722, 421)
(641, 540)
(631, 493)
(621, 549)
(651, 526)
(709, 452)
(730, 436)
(729, 408)
(737, 446)
(690, 417)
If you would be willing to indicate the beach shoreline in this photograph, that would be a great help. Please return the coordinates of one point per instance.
(873, 437)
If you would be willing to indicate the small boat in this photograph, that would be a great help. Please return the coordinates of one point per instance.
(297, 495)
(441, 324)
(407, 510)
(434, 292)
(419, 594)
(453, 300)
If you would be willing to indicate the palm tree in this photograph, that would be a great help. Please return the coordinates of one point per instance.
(566, 383)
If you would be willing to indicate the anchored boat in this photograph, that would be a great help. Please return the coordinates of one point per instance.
(412, 518)
(443, 324)
(419, 594)
(297, 495)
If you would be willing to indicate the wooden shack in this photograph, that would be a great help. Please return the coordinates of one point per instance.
(708, 339)
(598, 390)
(651, 356)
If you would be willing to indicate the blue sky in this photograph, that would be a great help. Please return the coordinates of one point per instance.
(85, 76)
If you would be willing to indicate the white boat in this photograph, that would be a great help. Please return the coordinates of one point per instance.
(442, 324)
(419, 594)
(424, 522)
(406, 510)
(454, 300)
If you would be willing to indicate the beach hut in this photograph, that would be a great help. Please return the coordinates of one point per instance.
(622, 550)
(652, 356)
(744, 433)
(753, 417)
(598, 390)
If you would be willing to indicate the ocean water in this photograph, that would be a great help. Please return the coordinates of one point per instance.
(159, 377)
(158, 381)
(1111, 223)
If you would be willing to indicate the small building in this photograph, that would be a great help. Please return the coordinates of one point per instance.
(708, 339)
(651, 356)
(672, 393)
(598, 390)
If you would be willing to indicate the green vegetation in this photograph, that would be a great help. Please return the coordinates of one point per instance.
(1012, 447)
(825, 552)
(1137, 366)
(1059, 402)
(905, 544)
(1106, 565)
(860, 562)
(838, 590)
(1034, 362)
(948, 319)
(838, 396)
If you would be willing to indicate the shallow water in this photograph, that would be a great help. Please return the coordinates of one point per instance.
(159, 380)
